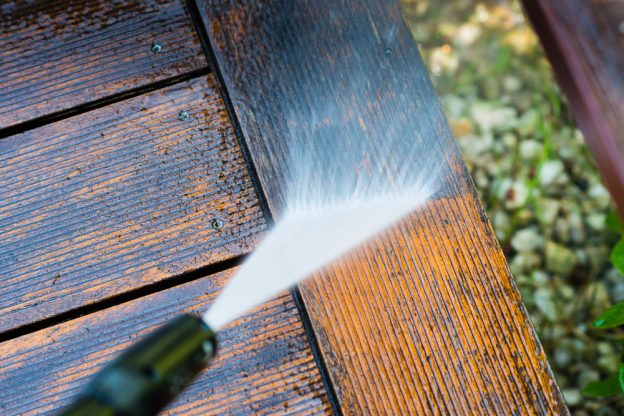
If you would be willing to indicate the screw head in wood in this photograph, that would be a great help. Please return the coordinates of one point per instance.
(156, 47)
(184, 116)
(217, 224)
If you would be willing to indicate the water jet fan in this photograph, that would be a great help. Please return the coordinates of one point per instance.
(338, 192)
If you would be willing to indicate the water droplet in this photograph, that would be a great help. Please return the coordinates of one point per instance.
(184, 116)
(156, 47)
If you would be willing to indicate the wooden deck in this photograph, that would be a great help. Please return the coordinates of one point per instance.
(117, 156)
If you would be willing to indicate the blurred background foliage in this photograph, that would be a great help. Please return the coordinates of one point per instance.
(535, 177)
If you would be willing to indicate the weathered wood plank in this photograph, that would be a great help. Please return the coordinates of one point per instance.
(583, 40)
(55, 55)
(264, 365)
(118, 198)
(426, 319)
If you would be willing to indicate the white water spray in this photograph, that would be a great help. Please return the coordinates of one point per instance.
(340, 191)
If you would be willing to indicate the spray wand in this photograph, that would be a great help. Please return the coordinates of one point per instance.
(147, 376)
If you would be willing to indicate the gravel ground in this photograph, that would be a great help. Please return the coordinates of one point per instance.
(535, 177)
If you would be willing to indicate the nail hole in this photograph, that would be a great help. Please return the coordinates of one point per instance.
(184, 116)
(217, 224)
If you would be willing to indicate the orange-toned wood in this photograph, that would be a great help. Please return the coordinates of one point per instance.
(584, 40)
(425, 320)
(118, 198)
(264, 365)
(55, 55)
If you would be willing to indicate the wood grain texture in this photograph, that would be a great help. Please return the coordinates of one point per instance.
(55, 55)
(426, 319)
(264, 364)
(584, 40)
(118, 198)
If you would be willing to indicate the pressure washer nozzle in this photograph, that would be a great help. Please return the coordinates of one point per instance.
(146, 377)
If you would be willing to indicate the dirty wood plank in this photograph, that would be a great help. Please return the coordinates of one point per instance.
(118, 198)
(56, 55)
(426, 319)
(264, 365)
(583, 40)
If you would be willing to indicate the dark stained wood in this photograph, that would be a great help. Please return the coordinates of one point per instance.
(584, 40)
(55, 55)
(426, 319)
(264, 365)
(118, 198)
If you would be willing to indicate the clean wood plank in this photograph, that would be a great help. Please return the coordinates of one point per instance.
(426, 319)
(118, 198)
(264, 365)
(55, 55)
(584, 41)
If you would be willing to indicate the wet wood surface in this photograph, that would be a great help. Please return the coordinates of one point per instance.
(264, 366)
(118, 198)
(426, 319)
(56, 55)
(584, 41)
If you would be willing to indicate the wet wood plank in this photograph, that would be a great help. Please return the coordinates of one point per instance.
(118, 198)
(426, 319)
(56, 55)
(264, 365)
(584, 40)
